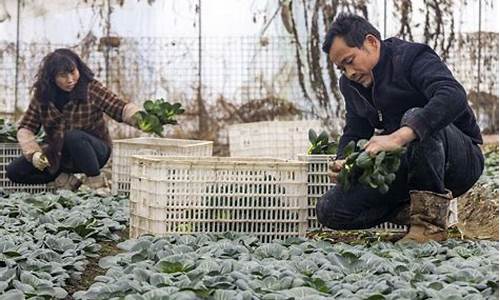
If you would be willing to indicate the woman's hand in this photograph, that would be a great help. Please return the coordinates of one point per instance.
(40, 161)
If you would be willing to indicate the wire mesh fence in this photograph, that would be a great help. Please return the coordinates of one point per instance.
(228, 73)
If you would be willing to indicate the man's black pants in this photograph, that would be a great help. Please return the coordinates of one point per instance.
(446, 160)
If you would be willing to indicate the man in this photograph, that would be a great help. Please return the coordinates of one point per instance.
(405, 92)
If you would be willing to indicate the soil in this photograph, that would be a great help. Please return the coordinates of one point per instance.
(92, 269)
(478, 208)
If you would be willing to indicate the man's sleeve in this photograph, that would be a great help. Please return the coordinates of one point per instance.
(356, 127)
(447, 98)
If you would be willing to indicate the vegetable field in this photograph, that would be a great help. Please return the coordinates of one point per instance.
(73, 246)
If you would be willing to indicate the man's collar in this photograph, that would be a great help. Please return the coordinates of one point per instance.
(384, 58)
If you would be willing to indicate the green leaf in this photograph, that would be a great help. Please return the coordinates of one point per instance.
(361, 144)
(323, 138)
(380, 157)
(383, 189)
(376, 297)
(364, 161)
(349, 148)
(331, 148)
(313, 137)
(149, 106)
(389, 178)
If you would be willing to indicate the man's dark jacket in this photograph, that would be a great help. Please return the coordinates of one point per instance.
(407, 75)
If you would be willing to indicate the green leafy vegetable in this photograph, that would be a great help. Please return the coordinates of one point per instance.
(158, 113)
(376, 172)
(321, 144)
(8, 132)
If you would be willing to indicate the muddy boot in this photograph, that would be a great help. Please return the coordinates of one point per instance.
(402, 216)
(428, 216)
(97, 184)
(66, 181)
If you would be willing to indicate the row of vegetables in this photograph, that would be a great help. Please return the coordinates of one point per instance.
(48, 239)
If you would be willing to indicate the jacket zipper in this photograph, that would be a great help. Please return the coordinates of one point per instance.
(379, 113)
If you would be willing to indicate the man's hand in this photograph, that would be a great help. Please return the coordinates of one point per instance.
(390, 142)
(334, 168)
(40, 161)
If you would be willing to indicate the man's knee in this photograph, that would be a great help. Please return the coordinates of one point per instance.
(423, 148)
(409, 114)
(329, 210)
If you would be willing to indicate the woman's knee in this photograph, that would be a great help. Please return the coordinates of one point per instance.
(16, 170)
(73, 137)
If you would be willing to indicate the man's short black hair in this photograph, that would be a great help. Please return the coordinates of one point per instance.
(352, 28)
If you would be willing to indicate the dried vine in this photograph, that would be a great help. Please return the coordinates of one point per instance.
(405, 9)
(437, 12)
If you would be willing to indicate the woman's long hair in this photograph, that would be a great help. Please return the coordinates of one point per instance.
(60, 61)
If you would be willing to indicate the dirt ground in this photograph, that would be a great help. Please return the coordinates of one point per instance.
(93, 270)
(478, 208)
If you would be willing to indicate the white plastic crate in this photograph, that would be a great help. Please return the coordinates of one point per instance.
(124, 149)
(318, 183)
(8, 153)
(280, 139)
(265, 197)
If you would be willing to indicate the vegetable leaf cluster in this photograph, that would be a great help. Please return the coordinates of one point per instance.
(320, 144)
(8, 132)
(158, 113)
(376, 172)
(205, 266)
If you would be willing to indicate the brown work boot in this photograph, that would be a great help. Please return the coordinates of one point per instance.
(428, 216)
(402, 216)
(97, 184)
(66, 181)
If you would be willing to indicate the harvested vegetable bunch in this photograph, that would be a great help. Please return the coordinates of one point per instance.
(376, 172)
(158, 113)
(320, 143)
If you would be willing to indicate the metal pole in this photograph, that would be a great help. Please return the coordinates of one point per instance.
(199, 45)
(108, 30)
(16, 84)
(479, 52)
(385, 19)
(202, 124)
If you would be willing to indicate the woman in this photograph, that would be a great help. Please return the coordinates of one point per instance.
(69, 104)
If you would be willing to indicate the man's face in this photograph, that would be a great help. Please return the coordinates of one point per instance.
(356, 63)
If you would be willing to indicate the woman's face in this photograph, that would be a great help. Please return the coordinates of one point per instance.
(67, 81)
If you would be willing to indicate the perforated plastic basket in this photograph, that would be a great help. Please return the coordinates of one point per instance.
(280, 139)
(318, 183)
(8, 153)
(184, 195)
(124, 149)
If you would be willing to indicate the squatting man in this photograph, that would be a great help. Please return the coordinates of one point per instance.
(404, 91)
